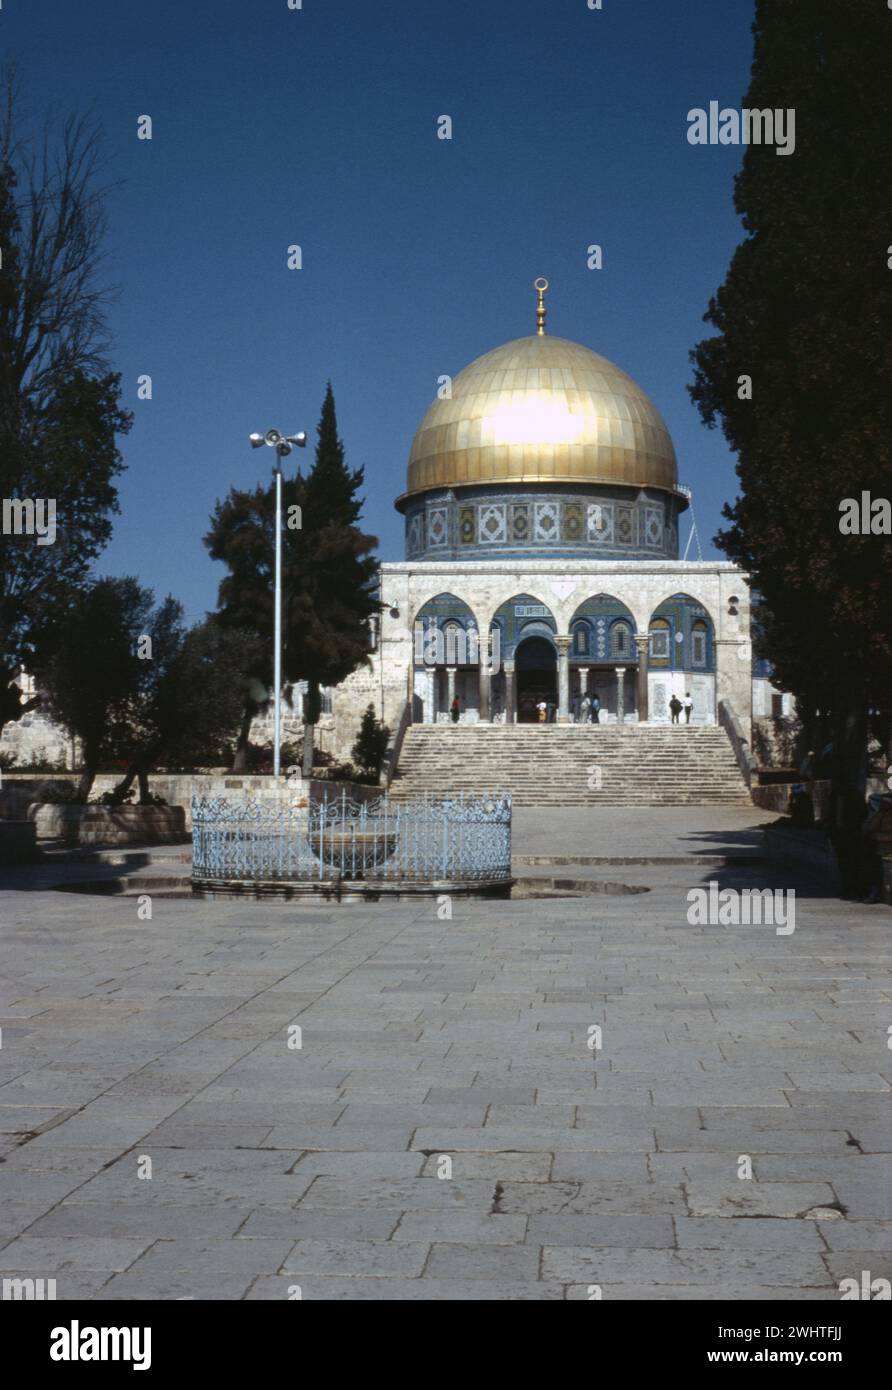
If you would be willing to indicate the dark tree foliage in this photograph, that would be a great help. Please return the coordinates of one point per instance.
(242, 535)
(129, 681)
(806, 312)
(371, 743)
(186, 709)
(92, 680)
(329, 573)
(60, 407)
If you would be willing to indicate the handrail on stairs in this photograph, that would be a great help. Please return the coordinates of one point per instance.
(739, 743)
(392, 756)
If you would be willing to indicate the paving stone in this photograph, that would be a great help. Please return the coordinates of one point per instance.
(743, 1197)
(168, 1286)
(724, 1233)
(864, 1200)
(325, 1288)
(499, 1166)
(342, 1138)
(158, 1222)
(857, 1235)
(545, 1139)
(368, 1115)
(360, 1164)
(209, 1255)
(17, 1217)
(623, 1168)
(461, 1228)
(640, 1232)
(322, 1223)
(51, 1255)
(236, 1188)
(343, 1257)
(590, 1198)
(408, 1194)
(482, 1261)
(684, 1167)
(17, 1186)
(703, 1293)
(752, 1141)
(85, 1161)
(176, 1136)
(851, 1264)
(726, 1269)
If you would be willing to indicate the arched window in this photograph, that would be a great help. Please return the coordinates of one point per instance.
(581, 635)
(621, 639)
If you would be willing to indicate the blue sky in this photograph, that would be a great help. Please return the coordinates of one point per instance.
(318, 127)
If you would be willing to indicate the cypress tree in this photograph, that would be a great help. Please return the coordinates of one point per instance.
(329, 574)
(806, 312)
(330, 592)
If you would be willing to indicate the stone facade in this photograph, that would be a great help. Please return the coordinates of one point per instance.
(638, 587)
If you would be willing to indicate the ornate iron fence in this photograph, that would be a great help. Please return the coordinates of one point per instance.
(455, 840)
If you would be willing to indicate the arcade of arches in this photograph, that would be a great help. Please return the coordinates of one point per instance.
(528, 671)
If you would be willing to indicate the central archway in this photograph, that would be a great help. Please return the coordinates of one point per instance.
(536, 666)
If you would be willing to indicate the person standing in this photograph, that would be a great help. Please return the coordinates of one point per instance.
(688, 706)
(455, 709)
(585, 710)
(675, 708)
(596, 710)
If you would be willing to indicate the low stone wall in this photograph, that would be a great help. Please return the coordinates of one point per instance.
(18, 842)
(21, 791)
(109, 825)
(775, 796)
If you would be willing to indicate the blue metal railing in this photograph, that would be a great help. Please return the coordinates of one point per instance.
(457, 839)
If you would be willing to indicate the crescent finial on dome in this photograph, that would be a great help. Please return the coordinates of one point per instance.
(540, 286)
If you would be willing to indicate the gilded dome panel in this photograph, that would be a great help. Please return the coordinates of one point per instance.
(542, 408)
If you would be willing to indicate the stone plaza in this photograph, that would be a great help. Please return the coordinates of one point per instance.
(448, 1122)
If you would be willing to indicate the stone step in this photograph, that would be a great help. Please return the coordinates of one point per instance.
(550, 765)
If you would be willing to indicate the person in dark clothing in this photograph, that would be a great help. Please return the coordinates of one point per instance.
(454, 710)
(675, 708)
(596, 710)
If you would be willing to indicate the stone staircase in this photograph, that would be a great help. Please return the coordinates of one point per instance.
(573, 764)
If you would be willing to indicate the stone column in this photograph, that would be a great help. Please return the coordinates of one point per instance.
(450, 690)
(483, 678)
(430, 696)
(510, 693)
(620, 694)
(563, 648)
(642, 642)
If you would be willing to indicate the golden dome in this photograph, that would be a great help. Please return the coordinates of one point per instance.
(542, 410)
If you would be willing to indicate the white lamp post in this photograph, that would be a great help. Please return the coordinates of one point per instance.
(283, 444)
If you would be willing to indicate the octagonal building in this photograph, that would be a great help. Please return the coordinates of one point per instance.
(541, 570)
